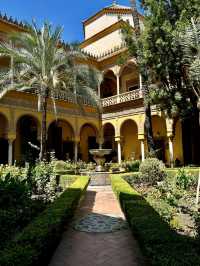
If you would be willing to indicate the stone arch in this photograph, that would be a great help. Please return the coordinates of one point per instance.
(27, 132)
(3, 139)
(129, 140)
(88, 140)
(160, 136)
(61, 139)
(108, 85)
(109, 141)
(129, 77)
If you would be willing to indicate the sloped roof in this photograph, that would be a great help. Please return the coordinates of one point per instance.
(111, 9)
(116, 6)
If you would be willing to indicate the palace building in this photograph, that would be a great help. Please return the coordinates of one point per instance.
(121, 94)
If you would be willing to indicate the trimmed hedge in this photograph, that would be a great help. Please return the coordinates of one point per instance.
(36, 243)
(67, 179)
(161, 244)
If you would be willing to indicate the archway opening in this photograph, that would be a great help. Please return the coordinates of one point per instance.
(61, 140)
(130, 143)
(191, 141)
(27, 140)
(160, 136)
(129, 77)
(3, 139)
(109, 142)
(88, 140)
(109, 85)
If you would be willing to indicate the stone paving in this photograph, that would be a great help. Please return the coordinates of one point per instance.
(81, 246)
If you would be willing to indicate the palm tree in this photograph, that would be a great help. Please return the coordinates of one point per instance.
(143, 71)
(41, 64)
(190, 42)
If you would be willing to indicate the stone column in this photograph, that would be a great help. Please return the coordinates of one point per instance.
(76, 143)
(119, 149)
(99, 90)
(118, 85)
(76, 151)
(142, 149)
(171, 151)
(118, 88)
(10, 151)
(140, 80)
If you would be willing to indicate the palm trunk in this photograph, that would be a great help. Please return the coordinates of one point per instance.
(43, 143)
(148, 129)
(198, 185)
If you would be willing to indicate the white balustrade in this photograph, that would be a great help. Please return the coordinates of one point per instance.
(123, 97)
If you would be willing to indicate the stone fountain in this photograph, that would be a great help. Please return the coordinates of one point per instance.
(99, 177)
(99, 157)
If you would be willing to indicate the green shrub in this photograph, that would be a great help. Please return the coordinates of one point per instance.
(16, 206)
(13, 171)
(161, 244)
(67, 180)
(131, 178)
(152, 170)
(44, 180)
(184, 179)
(64, 166)
(131, 166)
(35, 244)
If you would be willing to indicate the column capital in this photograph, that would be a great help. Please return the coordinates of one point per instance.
(141, 137)
(118, 138)
(170, 134)
(11, 137)
(77, 139)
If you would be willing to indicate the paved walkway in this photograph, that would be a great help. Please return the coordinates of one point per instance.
(93, 249)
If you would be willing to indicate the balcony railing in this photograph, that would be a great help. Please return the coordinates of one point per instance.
(121, 98)
(70, 98)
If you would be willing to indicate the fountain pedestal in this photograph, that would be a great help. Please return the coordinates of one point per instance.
(99, 177)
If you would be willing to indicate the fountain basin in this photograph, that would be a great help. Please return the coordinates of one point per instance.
(99, 157)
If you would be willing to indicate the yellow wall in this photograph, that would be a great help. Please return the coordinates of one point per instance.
(130, 142)
(177, 143)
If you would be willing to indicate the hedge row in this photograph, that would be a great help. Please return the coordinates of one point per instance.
(37, 242)
(162, 245)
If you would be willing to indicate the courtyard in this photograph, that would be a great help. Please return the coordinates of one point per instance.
(99, 140)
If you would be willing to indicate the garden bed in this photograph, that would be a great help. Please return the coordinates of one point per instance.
(162, 244)
(36, 243)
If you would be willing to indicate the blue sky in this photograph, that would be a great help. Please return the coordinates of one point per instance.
(66, 13)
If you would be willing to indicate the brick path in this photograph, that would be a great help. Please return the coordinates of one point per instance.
(94, 249)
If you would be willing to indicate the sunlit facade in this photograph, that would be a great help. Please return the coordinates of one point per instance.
(121, 94)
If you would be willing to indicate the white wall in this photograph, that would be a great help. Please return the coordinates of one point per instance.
(104, 22)
(106, 43)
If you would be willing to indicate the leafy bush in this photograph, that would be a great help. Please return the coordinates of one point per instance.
(16, 206)
(131, 166)
(131, 178)
(184, 180)
(35, 244)
(161, 244)
(44, 179)
(64, 166)
(152, 170)
(14, 192)
(13, 171)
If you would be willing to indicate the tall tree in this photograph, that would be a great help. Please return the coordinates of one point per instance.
(41, 64)
(135, 48)
(190, 42)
